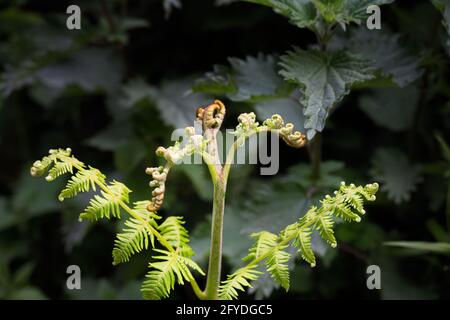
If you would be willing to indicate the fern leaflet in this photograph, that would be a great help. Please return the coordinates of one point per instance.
(135, 237)
(82, 181)
(238, 281)
(173, 268)
(174, 232)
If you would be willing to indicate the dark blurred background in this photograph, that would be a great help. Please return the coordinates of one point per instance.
(110, 92)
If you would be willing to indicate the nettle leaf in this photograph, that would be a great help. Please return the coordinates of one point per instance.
(392, 108)
(249, 79)
(397, 66)
(325, 78)
(177, 103)
(398, 176)
(255, 77)
(254, 80)
(301, 13)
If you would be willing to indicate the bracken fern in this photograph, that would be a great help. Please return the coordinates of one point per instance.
(172, 264)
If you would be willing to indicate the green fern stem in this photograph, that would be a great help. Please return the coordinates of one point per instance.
(215, 257)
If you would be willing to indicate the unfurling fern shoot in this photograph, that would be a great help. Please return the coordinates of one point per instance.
(172, 259)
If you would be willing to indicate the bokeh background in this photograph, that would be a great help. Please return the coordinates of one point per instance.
(114, 91)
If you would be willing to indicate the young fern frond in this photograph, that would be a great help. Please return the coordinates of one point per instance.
(240, 279)
(62, 163)
(265, 241)
(82, 181)
(59, 169)
(325, 225)
(136, 236)
(108, 204)
(277, 265)
(174, 232)
(141, 229)
(173, 268)
(347, 202)
(302, 241)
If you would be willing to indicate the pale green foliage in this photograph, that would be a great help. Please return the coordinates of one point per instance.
(141, 229)
(326, 78)
(136, 236)
(302, 241)
(277, 265)
(82, 181)
(108, 204)
(173, 268)
(238, 281)
(347, 203)
(276, 262)
(173, 230)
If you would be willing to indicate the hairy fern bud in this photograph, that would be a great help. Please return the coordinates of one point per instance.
(274, 122)
(212, 116)
(159, 175)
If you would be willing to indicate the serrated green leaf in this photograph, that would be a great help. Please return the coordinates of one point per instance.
(326, 78)
(255, 77)
(396, 65)
(398, 176)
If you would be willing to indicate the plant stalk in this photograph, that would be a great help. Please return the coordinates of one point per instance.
(215, 255)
